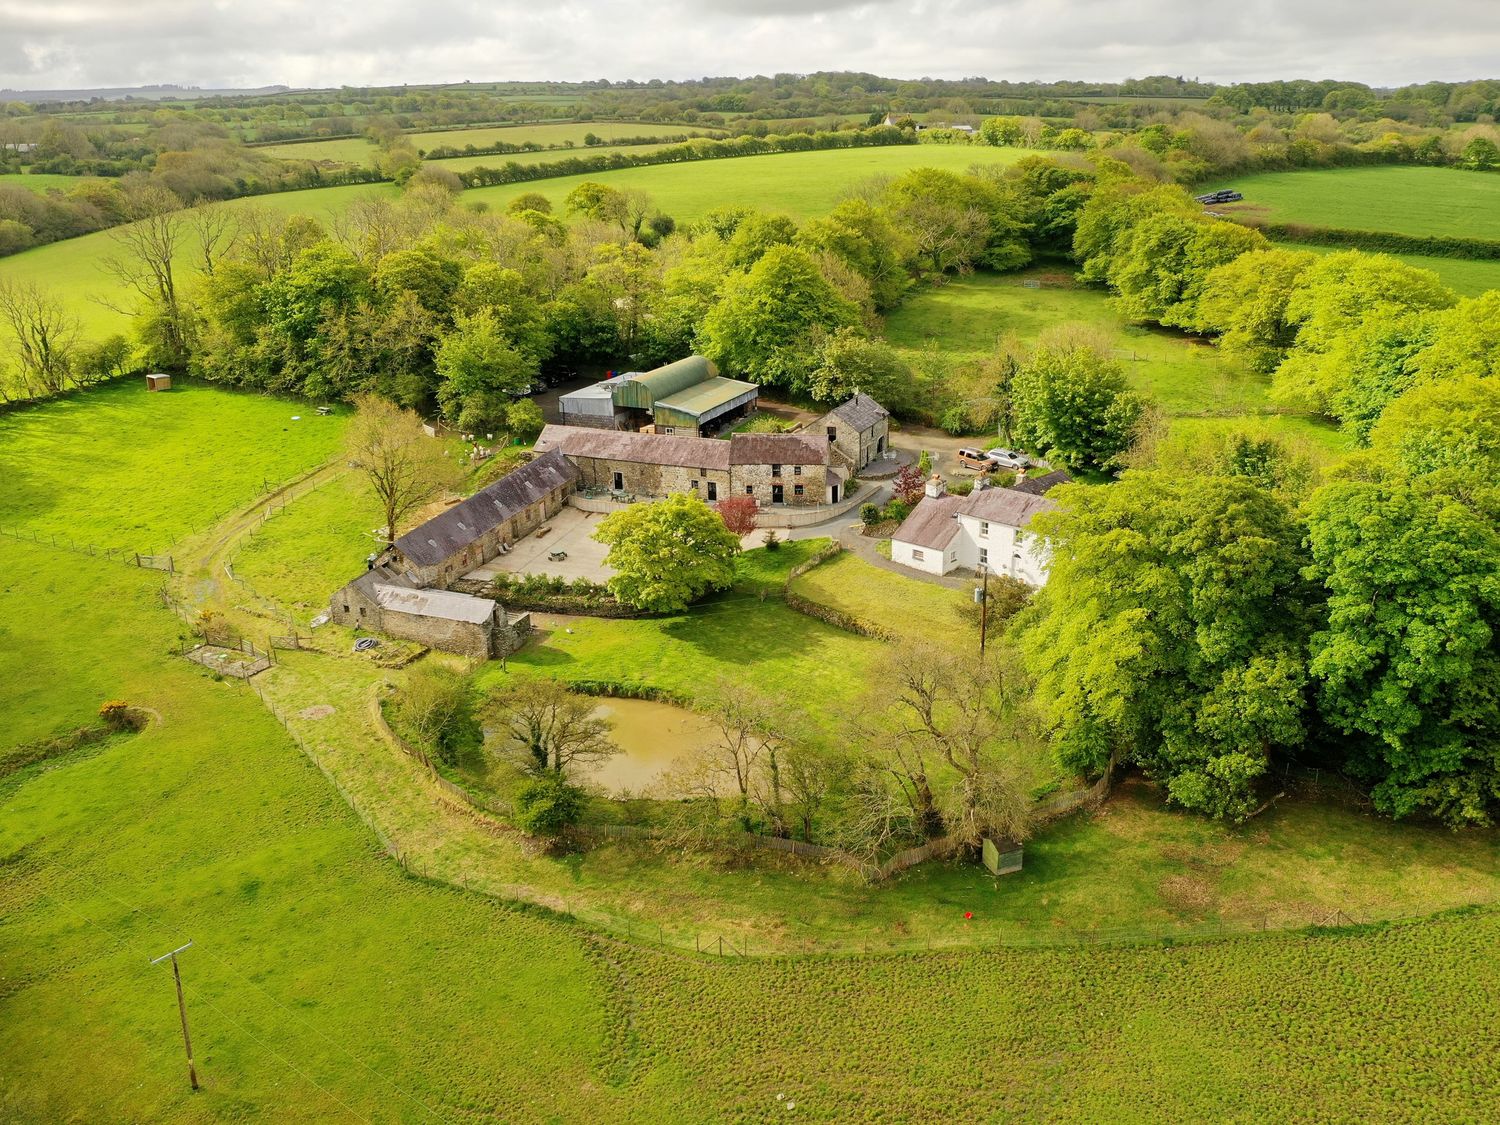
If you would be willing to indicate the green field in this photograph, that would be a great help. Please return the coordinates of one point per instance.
(324, 982)
(1466, 276)
(1408, 200)
(357, 150)
(868, 593)
(800, 184)
(41, 181)
(549, 156)
(965, 317)
(74, 266)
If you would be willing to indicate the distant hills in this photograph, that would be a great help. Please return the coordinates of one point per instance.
(133, 93)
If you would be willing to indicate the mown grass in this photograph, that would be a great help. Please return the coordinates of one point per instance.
(118, 466)
(1404, 199)
(966, 317)
(905, 605)
(323, 982)
(800, 184)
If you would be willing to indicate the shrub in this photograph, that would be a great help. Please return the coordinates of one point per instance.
(772, 541)
(955, 421)
(897, 510)
(869, 515)
(436, 710)
(548, 806)
(961, 487)
(118, 716)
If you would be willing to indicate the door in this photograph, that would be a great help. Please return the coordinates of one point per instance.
(835, 494)
(619, 482)
(713, 491)
(778, 494)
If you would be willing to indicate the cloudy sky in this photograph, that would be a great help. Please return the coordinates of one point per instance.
(82, 43)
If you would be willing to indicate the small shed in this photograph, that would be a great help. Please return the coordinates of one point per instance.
(158, 382)
(1002, 857)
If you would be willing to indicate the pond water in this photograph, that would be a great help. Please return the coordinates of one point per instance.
(654, 738)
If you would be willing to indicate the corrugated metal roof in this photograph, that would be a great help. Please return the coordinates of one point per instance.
(777, 449)
(933, 523)
(703, 398)
(445, 604)
(645, 449)
(862, 412)
(446, 534)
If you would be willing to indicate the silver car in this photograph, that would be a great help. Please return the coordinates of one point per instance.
(1009, 459)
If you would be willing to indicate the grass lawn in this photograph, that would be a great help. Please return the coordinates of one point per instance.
(1316, 438)
(74, 268)
(41, 181)
(1467, 276)
(120, 467)
(906, 605)
(800, 184)
(1408, 200)
(965, 317)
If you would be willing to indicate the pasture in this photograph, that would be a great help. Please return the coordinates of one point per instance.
(1468, 277)
(75, 266)
(799, 184)
(965, 317)
(921, 610)
(1401, 198)
(41, 182)
(324, 982)
(358, 150)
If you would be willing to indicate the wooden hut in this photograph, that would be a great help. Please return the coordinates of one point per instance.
(158, 382)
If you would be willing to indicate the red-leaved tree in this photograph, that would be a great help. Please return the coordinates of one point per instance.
(738, 513)
(909, 484)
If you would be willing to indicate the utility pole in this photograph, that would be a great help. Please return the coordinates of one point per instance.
(984, 611)
(181, 1009)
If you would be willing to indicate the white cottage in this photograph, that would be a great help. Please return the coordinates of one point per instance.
(986, 528)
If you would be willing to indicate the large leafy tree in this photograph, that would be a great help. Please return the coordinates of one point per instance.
(667, 554)
(1245, 301)
(1160, 273)
(1407, 546)
(480, 369)
(764, 322)
(958, 222)
(1072, 404)
(863, 237)
(1171, 632)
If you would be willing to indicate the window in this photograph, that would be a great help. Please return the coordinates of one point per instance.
(749, 490)
(833, 433)
(703, 472)
(797, 490)
(984, 530)
(693, 484)
(916, 555)
(796, 470)
(984, 556)
(775, 470)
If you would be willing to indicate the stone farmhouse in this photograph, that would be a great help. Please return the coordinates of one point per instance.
(791, 470)
(857, 431)
(685, 397)
(404, 594)
(987, 529)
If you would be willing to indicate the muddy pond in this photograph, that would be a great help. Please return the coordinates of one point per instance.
(653, 737)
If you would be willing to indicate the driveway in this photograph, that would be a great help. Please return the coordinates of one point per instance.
(571, 531)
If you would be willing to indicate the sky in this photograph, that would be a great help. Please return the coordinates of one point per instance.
(49, 44)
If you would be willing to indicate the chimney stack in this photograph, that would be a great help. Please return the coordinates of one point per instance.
(1021, 474)
(935, 487)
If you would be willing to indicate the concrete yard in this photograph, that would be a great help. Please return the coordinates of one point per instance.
(571, 531)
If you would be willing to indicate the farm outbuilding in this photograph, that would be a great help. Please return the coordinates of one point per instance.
(684, 397)
(158, 382)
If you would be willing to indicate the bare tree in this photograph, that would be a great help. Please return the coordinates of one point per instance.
(147, 261)
(217, 229)
(44, 336)
(550, 727)
(402, 465)
(748, 732)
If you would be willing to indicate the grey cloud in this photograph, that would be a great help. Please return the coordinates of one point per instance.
(73, 43)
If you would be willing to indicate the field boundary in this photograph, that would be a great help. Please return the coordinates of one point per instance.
(1377, 241)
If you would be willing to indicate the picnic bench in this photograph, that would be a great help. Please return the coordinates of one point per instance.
(557, 556)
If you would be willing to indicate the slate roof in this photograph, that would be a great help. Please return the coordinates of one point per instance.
(1040, 486)
(933, 522)
(647, 449)
(862, 412)
(1004, 505)
(450, 532)
(777, 449)
(445, 604)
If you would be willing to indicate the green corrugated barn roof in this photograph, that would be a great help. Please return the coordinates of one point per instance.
(701, 401)
(645, 390)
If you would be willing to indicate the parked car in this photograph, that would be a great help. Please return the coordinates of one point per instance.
(1009, 459)
(975, 459)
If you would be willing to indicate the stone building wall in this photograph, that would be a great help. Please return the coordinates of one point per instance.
(487, 546)
(472, 639)
(813, 480)
(650, 480)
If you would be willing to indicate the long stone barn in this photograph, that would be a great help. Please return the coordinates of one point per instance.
(403, 594)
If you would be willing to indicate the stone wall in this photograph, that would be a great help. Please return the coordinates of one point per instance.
(857, 448)
(467, 638)
(650, 480)
(487, 546)
(813, 479)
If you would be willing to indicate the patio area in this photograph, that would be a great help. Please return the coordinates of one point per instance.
(569, 533)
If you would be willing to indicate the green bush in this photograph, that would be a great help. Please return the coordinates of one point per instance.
(869, 515)
(896, 510)
(547, 806)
